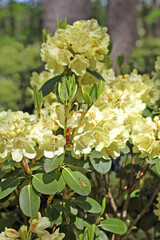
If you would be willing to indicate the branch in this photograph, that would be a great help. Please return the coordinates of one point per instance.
(124, 212)
(109, 194)
(144, 210)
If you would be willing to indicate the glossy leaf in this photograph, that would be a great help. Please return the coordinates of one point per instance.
(51, 164)
(100, 235)
(114, 225)
(96, 74)
(50, 85)
(100, 164)
(60, 181)
(79, 169)
(7, 186)
(45, 183)
(88, 204)
(76, 181)
(29, 201)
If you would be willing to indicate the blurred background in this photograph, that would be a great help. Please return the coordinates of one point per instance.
(134, 27)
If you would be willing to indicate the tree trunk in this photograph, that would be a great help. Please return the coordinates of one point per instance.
(122, 26)
(155, 26)
(71, 9)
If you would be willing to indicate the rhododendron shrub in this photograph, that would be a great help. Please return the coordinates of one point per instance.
(59, 161)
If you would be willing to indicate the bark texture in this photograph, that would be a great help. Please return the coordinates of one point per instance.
(121, 22)
(71, 9)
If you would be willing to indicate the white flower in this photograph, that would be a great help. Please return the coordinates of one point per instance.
(54, 236)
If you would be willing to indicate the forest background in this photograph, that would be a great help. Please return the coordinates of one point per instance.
(134, 27)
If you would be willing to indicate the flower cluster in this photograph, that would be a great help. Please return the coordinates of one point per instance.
(37, 226)
(21, 133)
(115, 118)
(76, 47)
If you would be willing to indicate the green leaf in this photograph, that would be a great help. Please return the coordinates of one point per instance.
(50, 85)
(93, 93)
(100, 235)
(120, 60)
(52, 213)
(51, 164)
(90, 232)
(45, 183)
(96, 74)
(99, 88)
(79, 169)
(76, 181)
(88, 204)
(58, 204)
(44, 34)
(110, 47)
(79, 223)
(74, 93)
(86, 96)
(61, 24)
(114, 225)
(71, 207)
(2, 174)
(63, 91)
(38, 100)
(69, 233)
(37, 167)
(158, 166)
(125, 150)
(60, 181)
(100, 164)
(95, 154)
(7, 186)
(29, 201)
(103, 205)
(147, 113)
(8, 164)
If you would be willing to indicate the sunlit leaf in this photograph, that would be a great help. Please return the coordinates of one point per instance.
(29, 201)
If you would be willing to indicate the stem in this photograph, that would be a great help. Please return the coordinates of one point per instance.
(109, 194)
(125, 208)
(80, 121)
(121, 176)
(113, 236)
(112, 201)
(65, 121)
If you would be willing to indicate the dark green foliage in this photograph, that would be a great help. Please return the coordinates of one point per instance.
(16, 64)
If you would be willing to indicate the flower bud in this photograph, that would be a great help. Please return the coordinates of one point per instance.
(11, 233)
(23, 230)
